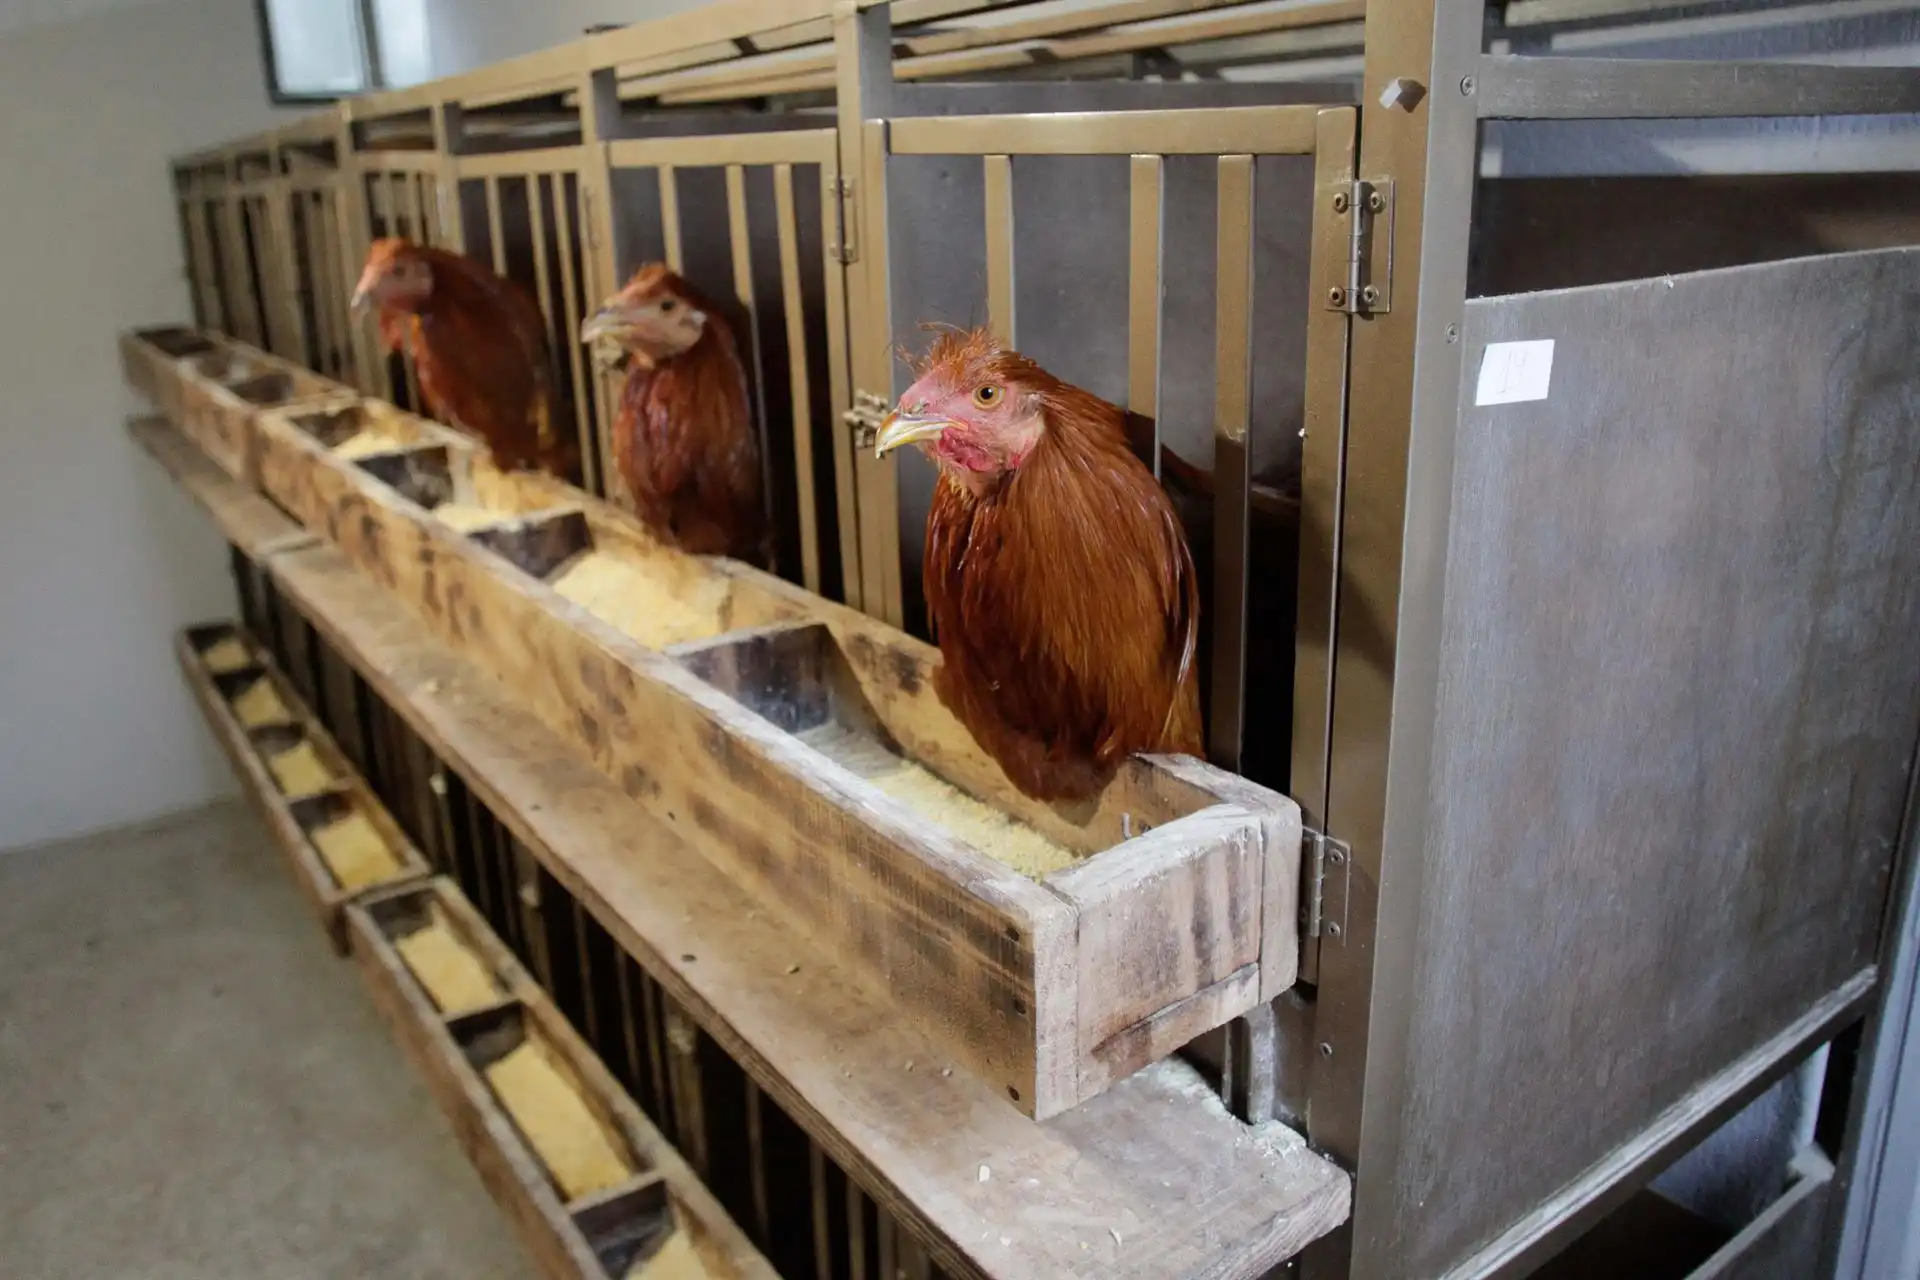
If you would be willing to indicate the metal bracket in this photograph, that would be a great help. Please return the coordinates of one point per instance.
(844, 248)
(864, 419)
(1327, 863)
(1367, 270)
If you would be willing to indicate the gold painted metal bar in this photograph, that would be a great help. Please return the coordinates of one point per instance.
(670, 215)
(757, 1162)
(629, 1031)
(399, 161)
(496, 230)
(1323, 444)
(846, 496)
(800, 146)
(740, 238)
(655, 1017)
(880, 487)
(1147, 201)
(1233, 336)
(856, 1233)
(822, 1213)
(572, 312)
(1208, 131)
(519, 164)
(799, 391)
(537, 225)
(999, 212)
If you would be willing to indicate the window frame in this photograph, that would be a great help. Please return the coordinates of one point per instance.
(369, 46)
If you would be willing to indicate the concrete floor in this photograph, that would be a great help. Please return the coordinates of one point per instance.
(193, 1087)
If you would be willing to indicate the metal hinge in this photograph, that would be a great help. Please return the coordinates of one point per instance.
(843, 247)
(1366, 269)
(864, 419)
(1323, 904)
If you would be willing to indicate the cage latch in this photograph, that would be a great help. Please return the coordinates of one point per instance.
(843, 247)
(864, 419)
(1365, 285)
(1323, 900)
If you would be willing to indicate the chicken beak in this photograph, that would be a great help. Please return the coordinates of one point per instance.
(907, 428)
(362, 300)
(608, 322)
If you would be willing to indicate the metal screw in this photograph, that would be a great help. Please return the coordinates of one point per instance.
(1326, 1049)
(1340, 202)
(1333, 929)
(1453, 333)
(1336, 857)
(1336, 296)
(1369, 294)
(1376, 202)
(1466, 85)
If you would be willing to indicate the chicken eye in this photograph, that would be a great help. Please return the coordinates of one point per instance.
(987, 397)
(667, 305)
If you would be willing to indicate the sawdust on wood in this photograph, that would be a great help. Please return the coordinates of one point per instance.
(1000, 836)
(454, 976)
(299, 770)
(228, 654)
(260, 705)
(625, 596)
(677, 1259)
(570, 1140)
(354, 852)
(464, 516)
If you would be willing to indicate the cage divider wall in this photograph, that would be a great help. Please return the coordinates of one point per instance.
(1279, 284)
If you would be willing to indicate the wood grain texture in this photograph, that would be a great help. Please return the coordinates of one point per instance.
(310, 871)
(243, 517)
(551, 1229)
(1152, 1177)
(223, 391)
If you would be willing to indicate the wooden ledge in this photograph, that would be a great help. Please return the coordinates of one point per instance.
(246, 519)
(1153, 1179)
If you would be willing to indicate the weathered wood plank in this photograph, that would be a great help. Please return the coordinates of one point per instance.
(221, 393)
(243, 517)
(1153, 1177)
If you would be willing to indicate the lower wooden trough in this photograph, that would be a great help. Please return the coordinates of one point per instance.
(149, 358)
(339, 840)
(802, 748)
(593, 1189)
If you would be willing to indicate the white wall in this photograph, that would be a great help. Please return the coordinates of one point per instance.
(465, 34)
(99, 558)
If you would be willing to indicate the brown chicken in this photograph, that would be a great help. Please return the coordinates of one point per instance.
(1057, 576)
(478, 343)
(683, 437)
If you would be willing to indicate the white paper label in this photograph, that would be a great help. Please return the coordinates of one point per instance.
(1514, 372)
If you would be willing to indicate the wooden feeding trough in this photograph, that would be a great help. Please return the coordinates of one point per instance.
(592, 1187)
(801, 747)
(221, 391)
(150, 360)
(339, 839)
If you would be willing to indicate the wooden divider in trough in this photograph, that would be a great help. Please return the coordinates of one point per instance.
(338, 838)
(149, 358)
(593, 1189)
(801, 748)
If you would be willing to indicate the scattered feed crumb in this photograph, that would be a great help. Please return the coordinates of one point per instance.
(227, 654)
(793, 968)
(378, 438)
(1114, 1234)
(464, 516)
(261, 705)
(946, 1071)
(677, 1259)
(299, 771)
(985, 1173)
(625, 596)
(569, 1139)
(1001, 837)
(354, 852)
(455, 979)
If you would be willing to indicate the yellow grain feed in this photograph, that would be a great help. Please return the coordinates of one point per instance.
(261, 705)
(577, 1151)
(465, 515)
(626, 597)
(299, 771)
(227, 655)
(677, 1259)
(1001, 837)
(455, 979)
(368, 441)
(355, 853)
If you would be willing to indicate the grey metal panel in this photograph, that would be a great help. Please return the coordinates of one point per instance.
(1784, 1241)
(1677, 699)
(1521, 87)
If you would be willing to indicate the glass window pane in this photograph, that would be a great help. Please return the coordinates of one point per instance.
(317, 47)
(400, 33)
